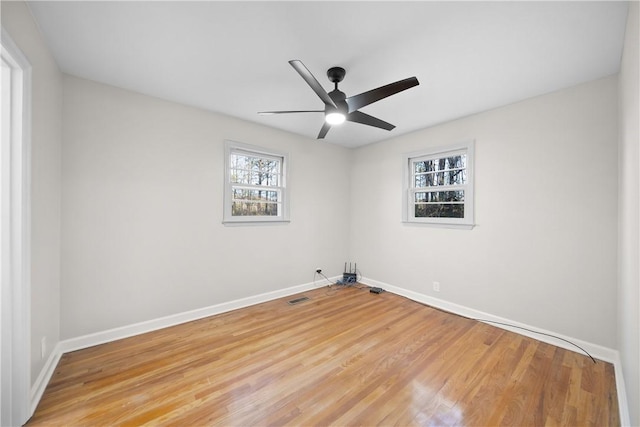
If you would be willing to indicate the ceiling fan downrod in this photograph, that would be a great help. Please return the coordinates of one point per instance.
(338, 107)
(336, 75)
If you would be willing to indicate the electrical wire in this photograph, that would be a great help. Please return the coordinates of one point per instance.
(326, 278)
(340, 282)
(331, 290)
(514, 326)
(363, 286)
(315, 276)
(535, 332)
(470, 318)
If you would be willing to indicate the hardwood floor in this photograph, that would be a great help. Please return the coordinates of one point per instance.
(344, 357)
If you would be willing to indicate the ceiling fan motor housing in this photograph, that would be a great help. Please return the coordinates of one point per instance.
(338, 107)
(336, 74)
(339, 98)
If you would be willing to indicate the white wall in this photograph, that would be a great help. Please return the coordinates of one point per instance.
(629, 217)
(544, 249)
(141, 208)
(142, 211)
(46, 141)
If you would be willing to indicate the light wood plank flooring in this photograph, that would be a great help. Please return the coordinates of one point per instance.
(345, 357)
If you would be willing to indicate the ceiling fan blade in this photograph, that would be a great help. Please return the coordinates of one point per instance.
(358, 101)
(323, 132)
(311, 81)
(365, 119)
(267, 113)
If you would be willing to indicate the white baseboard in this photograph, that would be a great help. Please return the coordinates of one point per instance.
(176, 319)
(597, 351)
(37, 390)
(78, 343)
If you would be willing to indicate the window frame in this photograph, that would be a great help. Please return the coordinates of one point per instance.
(231, 147)
(408, 200)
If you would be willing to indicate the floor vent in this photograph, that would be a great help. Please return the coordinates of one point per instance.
(298, 300)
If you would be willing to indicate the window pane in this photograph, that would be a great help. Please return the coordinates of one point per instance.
(254, 170)
(261, 178)
(258, 195)
(419, 167)
(241, 176)
(238, 162)
(270, 166)
(439, 188)
(450, 177)
(250, 208)
(440, 210)
(442, 164)
(439, 196)
(421, 181)
(256, 187)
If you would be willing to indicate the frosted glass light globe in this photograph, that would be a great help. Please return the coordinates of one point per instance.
(335, 118)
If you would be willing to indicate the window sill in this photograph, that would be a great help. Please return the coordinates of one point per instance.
(236, 223)
(439, 225)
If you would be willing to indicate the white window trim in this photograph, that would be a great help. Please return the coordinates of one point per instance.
(228, 219)
(462, 223)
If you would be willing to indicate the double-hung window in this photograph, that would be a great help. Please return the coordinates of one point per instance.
(439, 186)
(255, 184)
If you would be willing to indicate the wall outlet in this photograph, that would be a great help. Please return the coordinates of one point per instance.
(436, 286)
(318, 270)
(43, 347)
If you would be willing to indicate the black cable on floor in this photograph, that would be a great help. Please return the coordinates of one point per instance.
(535, 332)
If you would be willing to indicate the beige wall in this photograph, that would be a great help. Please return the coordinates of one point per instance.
(544, 249)
(629, 218)
(142, 211)
(46, 141)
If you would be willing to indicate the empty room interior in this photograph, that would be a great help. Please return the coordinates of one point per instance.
(320, 213)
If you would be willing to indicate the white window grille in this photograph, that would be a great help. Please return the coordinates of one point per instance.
(439, 186)
(255, 184)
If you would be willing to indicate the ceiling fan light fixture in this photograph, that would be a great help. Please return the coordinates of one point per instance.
(339, 108)
(335, 118)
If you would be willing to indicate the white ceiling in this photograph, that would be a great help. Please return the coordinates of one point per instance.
(231, 57)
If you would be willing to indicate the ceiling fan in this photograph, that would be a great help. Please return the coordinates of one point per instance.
(337, 107)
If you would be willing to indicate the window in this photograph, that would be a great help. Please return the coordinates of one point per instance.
(255, 185)
(439, 186)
